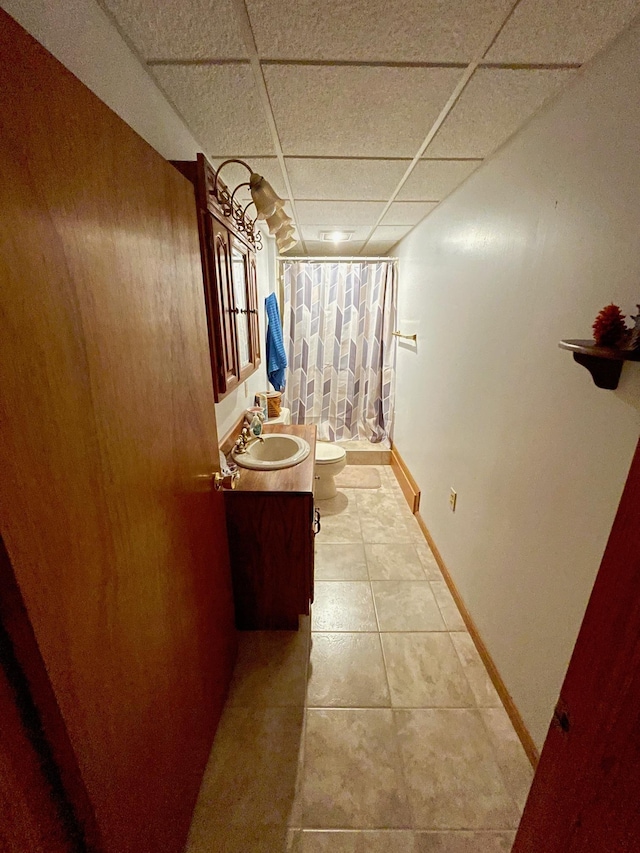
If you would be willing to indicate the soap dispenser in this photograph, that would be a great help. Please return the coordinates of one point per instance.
(255, 427)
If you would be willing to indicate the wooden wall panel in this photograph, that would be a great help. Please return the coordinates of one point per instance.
(108, 435)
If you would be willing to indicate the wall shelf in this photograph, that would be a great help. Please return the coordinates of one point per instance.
(603, 363)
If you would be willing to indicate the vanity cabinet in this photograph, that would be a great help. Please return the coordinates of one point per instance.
(270, 525)
(230, 284)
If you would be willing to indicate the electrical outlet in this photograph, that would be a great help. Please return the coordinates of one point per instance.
(453, 497)
(246, 388)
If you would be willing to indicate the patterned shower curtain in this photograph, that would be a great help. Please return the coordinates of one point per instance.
(338, 319)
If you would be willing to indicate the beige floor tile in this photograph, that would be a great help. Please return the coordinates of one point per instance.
(424, 672)
(344, 527)
(343, 606)
(252, 771)
(429, 564)
(510, 755)
(360, 841)
(270, 670)
(359, 477)
(344, 502)
(406, 606)
(450, 613)
(451, 773)
(352, 776)
(401, 503)
(347, 671)
(416, 530)
(384, 528)
(396, 492)
(393, 562)
(340, 562)
(477, 675)
(392, 480)
(374, 503)
(464, 842)
(405, 510)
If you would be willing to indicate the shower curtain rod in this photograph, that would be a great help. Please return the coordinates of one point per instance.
(331, 258)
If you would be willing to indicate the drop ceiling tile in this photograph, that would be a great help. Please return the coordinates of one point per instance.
(179, 29)
(313, 233)
(494, 105)
(370, 30)
(345, 179)
(342, 212)
(221, 106)
(388, 233)
(433, 180)
(351, 111)
(407, 212)
(561, 30)
(234, 174)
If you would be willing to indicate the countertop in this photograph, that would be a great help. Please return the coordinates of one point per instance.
(297, 479)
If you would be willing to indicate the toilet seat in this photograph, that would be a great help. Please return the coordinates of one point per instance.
(328, 453)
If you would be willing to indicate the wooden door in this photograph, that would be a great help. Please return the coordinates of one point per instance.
(585, 796)
(29, 818)
(220, 286)
(107, 444)
(44, 795)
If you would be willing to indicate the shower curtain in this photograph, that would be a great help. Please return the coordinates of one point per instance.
(338, 319)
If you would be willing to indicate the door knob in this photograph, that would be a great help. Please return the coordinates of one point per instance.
(228, 481)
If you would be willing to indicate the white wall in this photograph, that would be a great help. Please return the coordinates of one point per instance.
(83, 38)
(525, 253)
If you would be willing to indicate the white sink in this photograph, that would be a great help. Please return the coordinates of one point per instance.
(276, 451)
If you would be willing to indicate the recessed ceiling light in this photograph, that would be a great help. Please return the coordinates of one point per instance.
(336, 236)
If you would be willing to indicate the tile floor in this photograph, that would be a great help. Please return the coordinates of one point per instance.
(373, 728)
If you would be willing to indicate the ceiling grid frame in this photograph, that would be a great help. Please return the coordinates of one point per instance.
(382, 55)
(246, 31)
(453, 99)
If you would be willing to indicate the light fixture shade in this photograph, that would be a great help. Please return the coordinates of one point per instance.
(266, 200)
(286, 244)
(285, 232)
(278, 221)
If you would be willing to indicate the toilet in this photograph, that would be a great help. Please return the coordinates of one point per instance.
(330, 460)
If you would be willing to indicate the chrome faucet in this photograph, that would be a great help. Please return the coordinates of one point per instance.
(245, 439)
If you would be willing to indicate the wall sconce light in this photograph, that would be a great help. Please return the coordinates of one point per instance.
(269, 206)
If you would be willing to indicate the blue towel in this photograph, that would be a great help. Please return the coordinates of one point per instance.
(276, 356)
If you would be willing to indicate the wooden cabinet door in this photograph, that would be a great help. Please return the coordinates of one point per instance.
(107, 444)
(230, 284)
(220, 298)
(253, 308)
(585, 794)
(244, 294)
